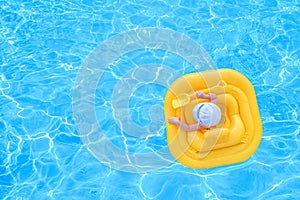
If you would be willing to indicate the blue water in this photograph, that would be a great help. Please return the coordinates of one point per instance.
(45, 45)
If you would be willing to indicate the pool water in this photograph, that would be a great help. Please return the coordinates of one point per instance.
(71, 68)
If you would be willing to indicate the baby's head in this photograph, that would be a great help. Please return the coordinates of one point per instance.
(207, 114)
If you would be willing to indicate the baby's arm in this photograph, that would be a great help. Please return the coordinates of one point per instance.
(213, 97)
(183, 126)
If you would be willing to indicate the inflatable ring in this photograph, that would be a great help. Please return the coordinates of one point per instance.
(234, 139)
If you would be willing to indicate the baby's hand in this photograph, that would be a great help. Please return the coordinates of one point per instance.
(199, 94)
(173, 120)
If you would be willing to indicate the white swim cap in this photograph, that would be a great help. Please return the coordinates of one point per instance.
(207, 114)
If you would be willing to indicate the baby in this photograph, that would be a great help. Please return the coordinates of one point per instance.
(206, 114)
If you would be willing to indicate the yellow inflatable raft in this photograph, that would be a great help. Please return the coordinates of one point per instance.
(234, 139)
